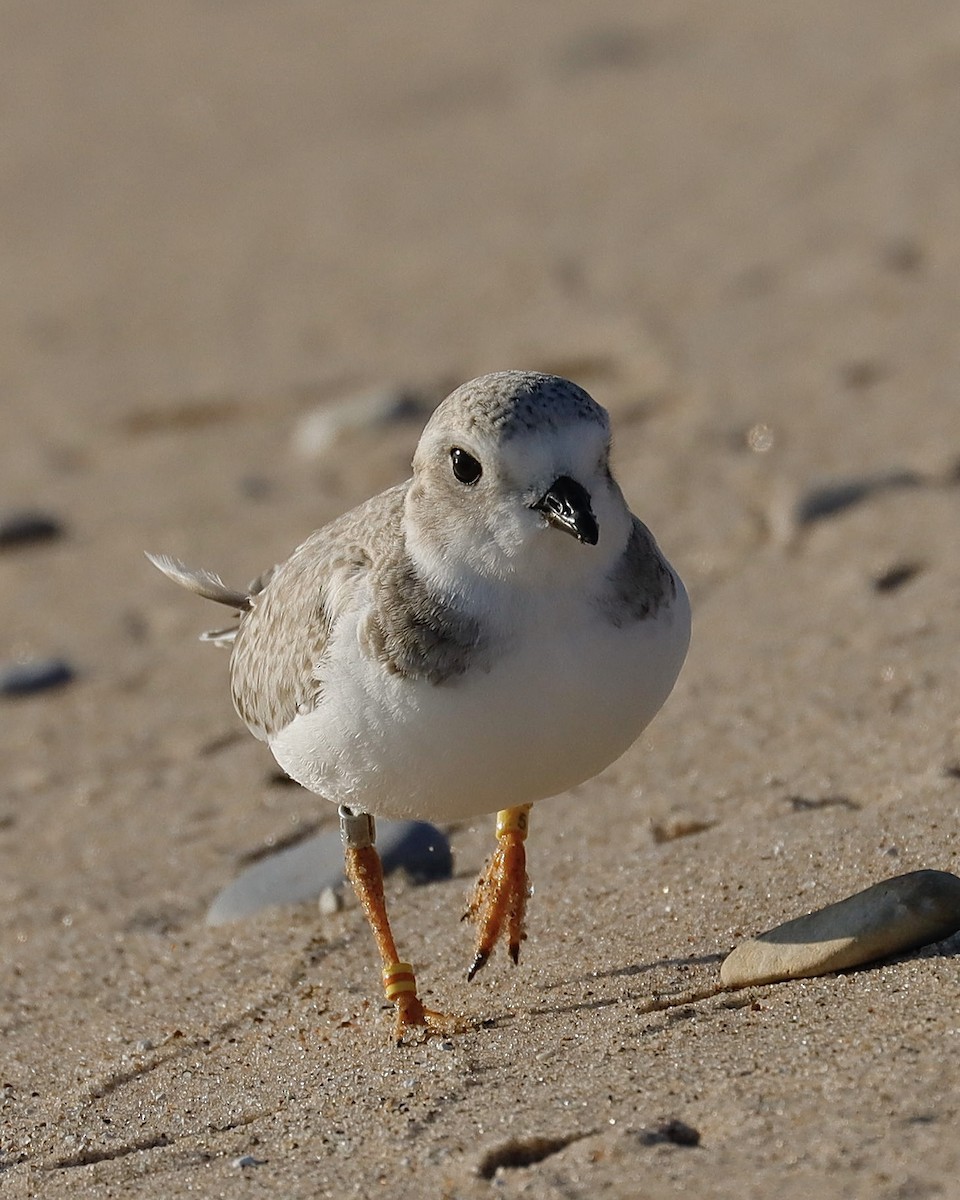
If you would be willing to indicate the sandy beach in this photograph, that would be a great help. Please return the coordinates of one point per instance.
(738, 226)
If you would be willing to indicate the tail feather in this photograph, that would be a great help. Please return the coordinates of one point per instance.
(202, 583)
(221, 637)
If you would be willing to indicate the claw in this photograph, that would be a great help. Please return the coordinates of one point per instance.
(500, 897)
(479, 962)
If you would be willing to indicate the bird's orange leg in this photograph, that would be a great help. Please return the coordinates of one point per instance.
(365, 872)
(500, 897)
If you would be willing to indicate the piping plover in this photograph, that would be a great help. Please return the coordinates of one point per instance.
(492, 632)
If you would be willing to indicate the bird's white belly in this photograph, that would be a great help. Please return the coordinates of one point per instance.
(558, 705)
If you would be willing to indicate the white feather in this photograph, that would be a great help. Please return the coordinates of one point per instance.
(202, 583)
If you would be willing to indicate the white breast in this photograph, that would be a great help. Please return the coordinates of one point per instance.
(568, 695)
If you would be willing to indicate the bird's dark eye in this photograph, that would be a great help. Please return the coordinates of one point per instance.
(465, 467)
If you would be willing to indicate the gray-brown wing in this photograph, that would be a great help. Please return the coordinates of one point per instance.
(358, 560)
(283, 638)
(640, 582)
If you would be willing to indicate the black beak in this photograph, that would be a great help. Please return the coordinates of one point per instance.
(566, 505)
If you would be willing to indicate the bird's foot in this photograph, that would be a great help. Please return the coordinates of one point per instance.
(400, 986)
(499, 900)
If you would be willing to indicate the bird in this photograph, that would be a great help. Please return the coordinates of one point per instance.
(489, 633)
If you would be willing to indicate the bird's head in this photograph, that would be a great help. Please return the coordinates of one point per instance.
(512, 481)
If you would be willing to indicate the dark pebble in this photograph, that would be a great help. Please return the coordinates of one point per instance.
(24, 679)
(606, 49)
(833, 498)
(862, 373)
(808, 804)
(902, 255)
(522, 1152)
(897, 576)
(672, 1130)
(26, 528)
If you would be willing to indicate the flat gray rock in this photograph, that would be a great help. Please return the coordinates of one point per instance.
(892, 917)
(320, 432)
(302, 872)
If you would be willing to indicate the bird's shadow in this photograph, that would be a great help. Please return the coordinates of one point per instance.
(948, 948)
(691, 960)
(600, 1002)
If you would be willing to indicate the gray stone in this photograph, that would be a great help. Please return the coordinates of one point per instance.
(892, 917)
(320, 432)
(309, 869)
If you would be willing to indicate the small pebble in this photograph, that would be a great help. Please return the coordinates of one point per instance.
(26, 527)
(310, 868)
(248, 1160)
(861, 373)
(902, 255)
(600, 49)
(678, 825)
(26, 678)
(892, 917)
(896, 576)
(330, 902)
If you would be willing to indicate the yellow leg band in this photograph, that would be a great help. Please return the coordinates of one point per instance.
(514, 820)
(399, 978)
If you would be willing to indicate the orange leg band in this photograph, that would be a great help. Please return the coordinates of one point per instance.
(365, 872)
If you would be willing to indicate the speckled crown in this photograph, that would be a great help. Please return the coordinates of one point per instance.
(509, 403)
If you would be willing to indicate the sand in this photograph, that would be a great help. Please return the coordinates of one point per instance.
(737, 225)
